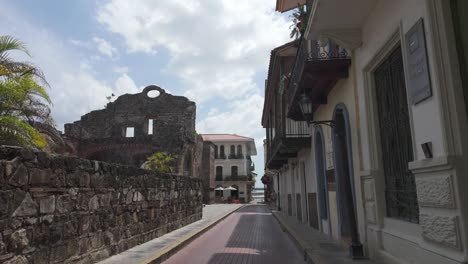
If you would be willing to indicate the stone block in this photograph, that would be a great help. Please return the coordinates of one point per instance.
(93, 203)
(5, 257)
(27, 207)
(83, 226)
(105, 200)
(18, 240)
(73, 247)
(64, 204)
(435, 191)
(47, 205)
(41, 177)
(138, 197)
(441, 229)
(17, 260)
(20, 177)
(40, 256)
(5, 197)
(58, 254)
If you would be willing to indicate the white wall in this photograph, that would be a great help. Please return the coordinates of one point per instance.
(440, 237)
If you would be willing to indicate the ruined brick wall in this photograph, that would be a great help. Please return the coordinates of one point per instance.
(100, 134)
(208, 172)
(56, 209)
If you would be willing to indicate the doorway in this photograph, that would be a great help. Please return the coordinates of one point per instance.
(344, 181)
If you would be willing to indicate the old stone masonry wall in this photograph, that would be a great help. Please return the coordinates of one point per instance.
(56, 209)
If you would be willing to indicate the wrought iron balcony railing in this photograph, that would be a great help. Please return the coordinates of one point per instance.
(235, 178)
(311, 51)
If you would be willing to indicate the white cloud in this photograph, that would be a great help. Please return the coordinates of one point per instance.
(74, 88)
(241, 117)
(125, 85)
(120, 69)
(216, 46)
(105, 47)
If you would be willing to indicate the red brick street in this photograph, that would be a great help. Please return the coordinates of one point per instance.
(250, 235)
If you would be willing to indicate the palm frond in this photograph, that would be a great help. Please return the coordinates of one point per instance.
(9, 43)
(14, 131)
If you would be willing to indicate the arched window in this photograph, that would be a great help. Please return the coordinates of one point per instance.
(222, 155)
(219, 173)
(234, 171)
(239, 152)
(216, 151)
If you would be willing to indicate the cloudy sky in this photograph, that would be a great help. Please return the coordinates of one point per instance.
(215, 52)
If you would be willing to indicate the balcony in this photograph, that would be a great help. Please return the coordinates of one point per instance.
(316, 71)
(235, 178)
(284, 143)
(236, 156)
(220, 156)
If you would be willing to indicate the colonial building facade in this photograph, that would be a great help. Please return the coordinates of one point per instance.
(233, 166)
(365, 116)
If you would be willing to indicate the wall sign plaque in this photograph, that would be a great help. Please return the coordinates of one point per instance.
(417, 62)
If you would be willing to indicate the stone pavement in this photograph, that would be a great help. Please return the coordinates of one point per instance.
(318, 248)
(248, 236)
(162, 247)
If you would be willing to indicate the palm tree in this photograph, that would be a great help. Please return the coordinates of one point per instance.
(23, 100)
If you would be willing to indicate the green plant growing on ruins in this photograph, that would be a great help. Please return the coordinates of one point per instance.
(160, 162)
(23, 98)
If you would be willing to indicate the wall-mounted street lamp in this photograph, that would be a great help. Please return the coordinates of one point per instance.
(306, 106)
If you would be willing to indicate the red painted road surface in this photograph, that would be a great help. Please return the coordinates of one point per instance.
(250, 235)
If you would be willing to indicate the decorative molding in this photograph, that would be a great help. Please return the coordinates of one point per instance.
(440, 163)
(371, 212)
(435, 191)
(441, 229)
(369, 193)
(349, 38)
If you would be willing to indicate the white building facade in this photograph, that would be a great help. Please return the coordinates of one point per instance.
(233, 165)
(385, 168)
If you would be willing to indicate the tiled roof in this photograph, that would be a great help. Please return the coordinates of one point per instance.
(224, 137)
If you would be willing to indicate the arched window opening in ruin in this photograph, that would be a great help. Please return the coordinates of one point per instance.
(234, 171)
(129, 132)
(219, 173)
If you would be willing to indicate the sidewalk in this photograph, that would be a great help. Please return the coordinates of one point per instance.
(161, 248)
(318, 248)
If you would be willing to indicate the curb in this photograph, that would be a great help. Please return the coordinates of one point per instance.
(171, 249)
(299, 242)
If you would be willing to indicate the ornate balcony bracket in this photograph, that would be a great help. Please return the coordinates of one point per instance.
(347, 38)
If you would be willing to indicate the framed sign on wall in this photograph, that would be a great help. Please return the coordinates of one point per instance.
(417, 62)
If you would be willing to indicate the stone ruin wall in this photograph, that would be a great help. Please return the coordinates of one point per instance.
(100, 134)
(57, 209)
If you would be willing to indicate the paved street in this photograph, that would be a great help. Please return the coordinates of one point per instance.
(145, 252)
(250, 235)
